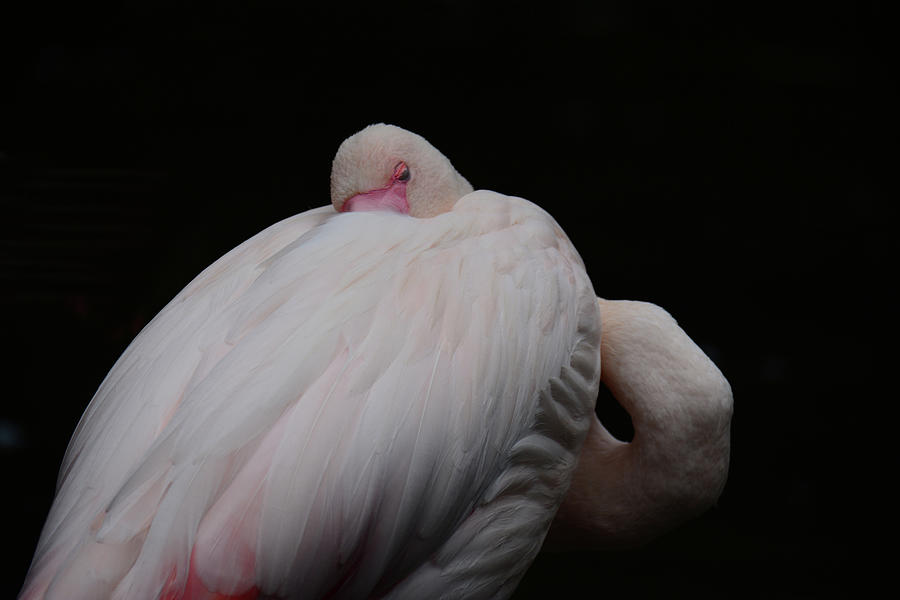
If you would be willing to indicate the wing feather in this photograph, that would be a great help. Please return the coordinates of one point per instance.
(353, 405)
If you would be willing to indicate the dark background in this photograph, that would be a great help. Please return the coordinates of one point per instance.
(721, 161)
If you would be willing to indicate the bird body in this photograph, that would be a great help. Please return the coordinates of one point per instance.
(344, 405)
(386, 397)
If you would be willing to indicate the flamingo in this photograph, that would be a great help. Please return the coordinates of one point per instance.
(390, 396)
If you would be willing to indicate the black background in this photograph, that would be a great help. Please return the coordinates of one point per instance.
(721, 161)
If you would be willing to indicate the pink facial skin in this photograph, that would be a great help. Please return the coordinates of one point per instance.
(392, 197)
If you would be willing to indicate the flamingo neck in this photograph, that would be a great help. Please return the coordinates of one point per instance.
(623, 494)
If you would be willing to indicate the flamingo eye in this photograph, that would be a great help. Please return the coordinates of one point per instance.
(401, 172)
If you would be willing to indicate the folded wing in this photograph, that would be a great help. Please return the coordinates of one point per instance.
(345, 405)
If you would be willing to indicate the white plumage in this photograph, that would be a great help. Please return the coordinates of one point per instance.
(387, 403)
(344, 405)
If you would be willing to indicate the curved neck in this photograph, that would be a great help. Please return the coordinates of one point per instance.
(623, 494)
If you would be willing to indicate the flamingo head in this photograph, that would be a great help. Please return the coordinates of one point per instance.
(384, 167)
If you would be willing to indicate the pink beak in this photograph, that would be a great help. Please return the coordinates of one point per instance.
(393, 197)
